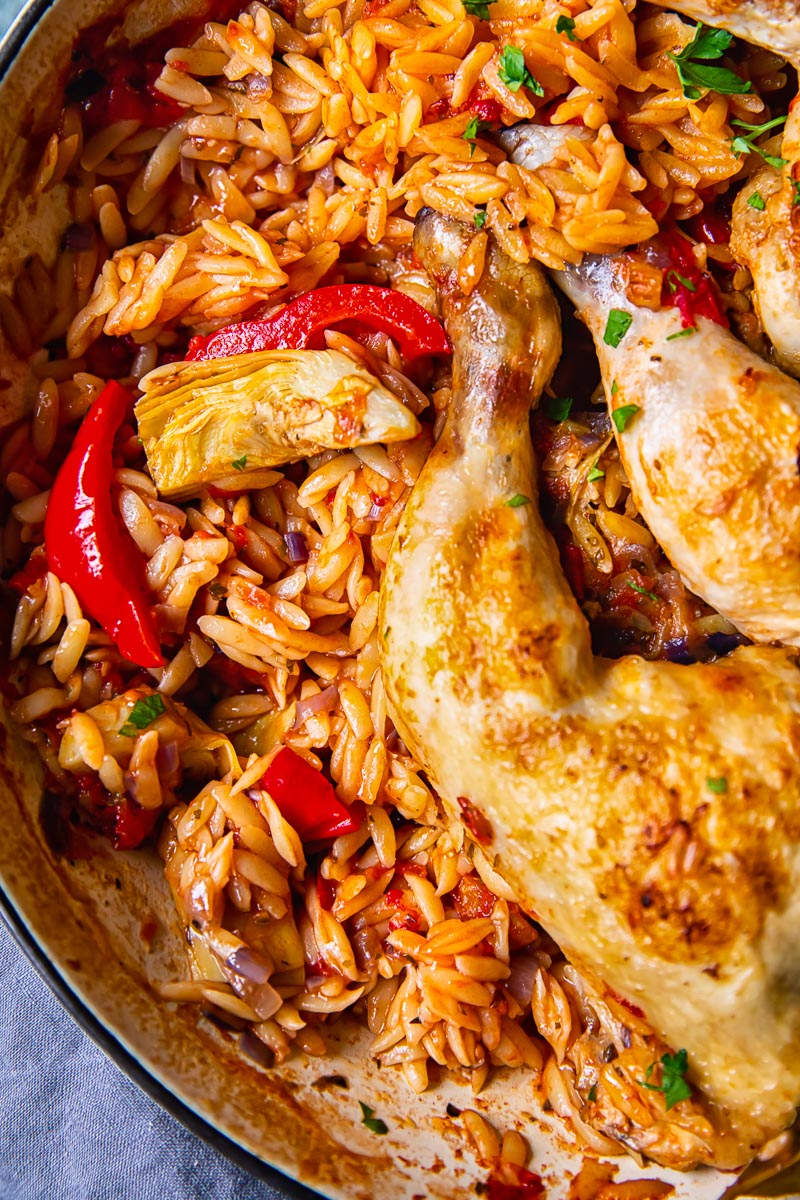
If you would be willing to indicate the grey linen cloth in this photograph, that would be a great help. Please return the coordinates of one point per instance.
(72, 1126)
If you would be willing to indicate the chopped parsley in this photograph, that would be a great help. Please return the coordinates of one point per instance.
(676, 280)
(695, 75)
(592, 1095)
(614, 387)
(673, 1084)
(744, 143)
(477, 8)
(567, 25)
(617, 325)
(373, 1124)
(558, 408)
(239, 464)
(796, 186)
(756, 201)
(513, 72)
(218, 591)
(474, 127)
(637, 587)
(622, 416)
(518, 501)
(717, 784)
(595, 473)
(143, 713)
(480, 218)
(682, 333)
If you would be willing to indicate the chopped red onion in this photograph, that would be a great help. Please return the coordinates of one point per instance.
(265, 1001)
(168, 762)
(322, 702)
(520, 982)
(376, 512)
(367, 948)
(187, 170)
(296, 547)
(79, 237)
(245, 962)
(254, 1048)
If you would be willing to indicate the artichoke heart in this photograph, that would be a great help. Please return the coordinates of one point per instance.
(205, 422)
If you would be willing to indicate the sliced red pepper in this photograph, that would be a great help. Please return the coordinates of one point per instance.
(305, 798)
(686, 287)
(301, 324)
(86, 545)
(132, 824)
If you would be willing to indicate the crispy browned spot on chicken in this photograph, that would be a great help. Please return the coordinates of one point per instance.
(648, 813)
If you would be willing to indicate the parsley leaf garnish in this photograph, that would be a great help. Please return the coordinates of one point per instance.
(676, 280)
(673, 1084)
(617, 325)
(474, 127)
(592, 1093)
(796, 197)
(513, 72)
(637, 587)
(744, 143)
(373, 1124)
(143, 713)
(756, 201)
(694, 75)
(622, 416)
(480, 218)
(682, 333)
(477, 8)
(614, 388)
(717, 784)
(518, 501)
(595, 473)
(558, 408)
(239, 464)
(567, 25)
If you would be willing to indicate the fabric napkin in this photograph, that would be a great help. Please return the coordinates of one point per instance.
(73, 1127)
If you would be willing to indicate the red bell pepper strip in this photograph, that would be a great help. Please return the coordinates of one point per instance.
(302, 322)
(689, 289)
(133, 824)
(85, 544)
(305, 798)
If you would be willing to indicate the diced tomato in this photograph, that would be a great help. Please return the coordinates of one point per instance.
(479, 103)
(472, 898)
(529, 1186)
(35, 568)
(326, 892)
(131, 95)
(478, 825)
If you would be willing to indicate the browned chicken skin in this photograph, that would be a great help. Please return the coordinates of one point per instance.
(647, 813)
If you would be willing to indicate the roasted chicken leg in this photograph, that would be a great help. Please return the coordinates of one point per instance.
(647, 813)
(767, 241)
(711, 452)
